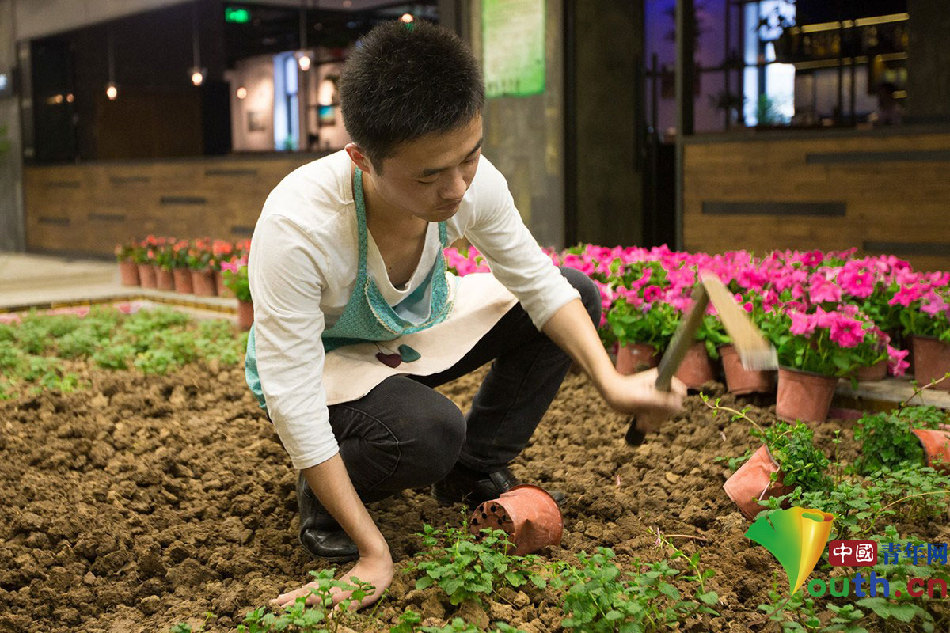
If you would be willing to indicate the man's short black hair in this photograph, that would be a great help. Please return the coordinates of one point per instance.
(406, 81)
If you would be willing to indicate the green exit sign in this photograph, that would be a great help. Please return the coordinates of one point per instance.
(237, 14)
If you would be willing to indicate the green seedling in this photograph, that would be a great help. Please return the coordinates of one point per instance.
(602, 599)
(466, 567)
(887, 440)
(409, 623)
(321, 617)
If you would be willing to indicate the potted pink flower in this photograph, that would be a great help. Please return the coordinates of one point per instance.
(926, 317)
(814, 349)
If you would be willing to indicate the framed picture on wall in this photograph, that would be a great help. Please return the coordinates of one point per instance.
(256, 122)
(326, 115)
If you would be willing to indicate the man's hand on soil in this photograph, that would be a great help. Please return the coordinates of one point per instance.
(637, 393)
(377, 572)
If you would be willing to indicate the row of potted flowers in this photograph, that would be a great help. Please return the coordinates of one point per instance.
(202, 267)
(827, 314)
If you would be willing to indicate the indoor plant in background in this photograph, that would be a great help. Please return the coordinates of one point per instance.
(199, 258)
(148, 261)
(181, 272)
(221, 251)
(164, 263)
(235, 278)
(127, 255)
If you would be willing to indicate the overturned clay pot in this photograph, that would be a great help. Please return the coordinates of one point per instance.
(527, 513)
(753, 481)
(936, 444)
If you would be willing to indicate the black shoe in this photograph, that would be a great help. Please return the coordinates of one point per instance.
(319, 532)
(473, 487)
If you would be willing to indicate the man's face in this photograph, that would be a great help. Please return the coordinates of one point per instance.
(427, 177)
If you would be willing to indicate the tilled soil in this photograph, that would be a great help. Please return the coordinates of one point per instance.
(148, 501)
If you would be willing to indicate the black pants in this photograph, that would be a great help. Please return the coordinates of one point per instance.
(404, 434)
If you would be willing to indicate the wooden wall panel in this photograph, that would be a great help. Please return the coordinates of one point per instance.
(86, 209)
(894, 188)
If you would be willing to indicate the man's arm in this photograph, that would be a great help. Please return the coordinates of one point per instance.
(572, 330)
(287, 290)
(331, 484)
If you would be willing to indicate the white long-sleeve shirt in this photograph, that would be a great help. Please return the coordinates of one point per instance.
(302, 271)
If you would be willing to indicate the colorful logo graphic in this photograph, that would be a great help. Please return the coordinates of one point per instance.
(796, 538)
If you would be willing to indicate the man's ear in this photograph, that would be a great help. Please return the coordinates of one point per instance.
(358, 157)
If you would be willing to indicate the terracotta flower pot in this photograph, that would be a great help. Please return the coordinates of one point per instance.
(527, 513)
(182, 278)
(931, 361)
(696, 369)
(129, 273)
(148, 275)
(803, 395)
(245, 314)
(877, 371)
(753, 481)
(203, 283)
(740, 380)
(223, 291)
(165, 280)
(636, 357)
(936, 444)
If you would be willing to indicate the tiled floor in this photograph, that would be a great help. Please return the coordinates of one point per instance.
(42, 282)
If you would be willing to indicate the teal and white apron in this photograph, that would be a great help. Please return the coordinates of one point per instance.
(431, 329)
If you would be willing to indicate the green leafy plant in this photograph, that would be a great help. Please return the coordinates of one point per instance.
(712, 333)
(600, 598)
(652, 324)
(409, 623)
(467, 567)
(886, 440)
(793, 447)
(321, 617)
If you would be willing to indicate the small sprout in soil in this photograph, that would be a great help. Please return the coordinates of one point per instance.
(322, 617)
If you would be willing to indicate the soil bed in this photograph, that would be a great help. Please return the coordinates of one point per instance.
(147, 501)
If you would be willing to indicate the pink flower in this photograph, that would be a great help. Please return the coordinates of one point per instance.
(814, 258)
(896, 364)
(652, 293)
(906, 295)
(821, 289)
(802, 324)
(933, 304)
(857, 283)
(847, 332)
